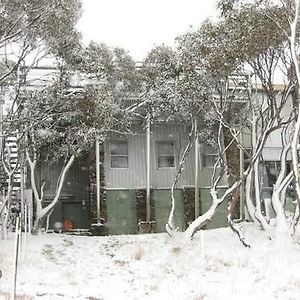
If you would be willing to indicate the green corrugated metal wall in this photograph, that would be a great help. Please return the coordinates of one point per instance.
(74, 203)
(162, 200)
(220, 218)
(121, 211)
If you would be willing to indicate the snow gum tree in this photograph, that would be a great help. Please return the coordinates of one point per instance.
(264, 52)
(61, 124)
(243, 39)
(292, 12)
(30, 31)
(172, 94)
(68, 121)
(207, 51)
(38, 29)
(58, 119)
(278, 49)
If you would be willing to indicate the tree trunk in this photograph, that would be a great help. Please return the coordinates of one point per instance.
(6, 208)
(171, 226)
(295, 140)
(233, 168)
(41, 213)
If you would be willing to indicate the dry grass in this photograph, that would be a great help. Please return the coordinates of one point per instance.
(200, 297)
(6, 296)
(176, 250)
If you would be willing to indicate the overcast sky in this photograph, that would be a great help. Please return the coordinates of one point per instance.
(138, 25)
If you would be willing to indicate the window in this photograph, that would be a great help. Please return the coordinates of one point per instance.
(118, 151)
(209, 156)
(44, 153)
(247, 157)
(165, 154)
(272, 170)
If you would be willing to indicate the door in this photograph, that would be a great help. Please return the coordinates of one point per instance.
(71, 212)
(121, 212)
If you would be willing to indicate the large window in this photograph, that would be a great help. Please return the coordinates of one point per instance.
(165, 154)
(118, 151)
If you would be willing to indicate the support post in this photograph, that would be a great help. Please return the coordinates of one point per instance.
(22, 192)
(148, 135)
(98, 183)
(25, 227)
(16, 254)
(241, 175)
(197, 204)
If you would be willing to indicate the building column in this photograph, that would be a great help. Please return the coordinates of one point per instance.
(148, 162)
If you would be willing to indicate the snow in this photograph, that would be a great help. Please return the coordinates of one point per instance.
(60, 266)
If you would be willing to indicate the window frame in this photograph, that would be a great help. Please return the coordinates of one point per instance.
(267, 187)
(118, 155)
(205, 153)
(277, 167)
(157, 155)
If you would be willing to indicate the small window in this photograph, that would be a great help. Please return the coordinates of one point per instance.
(209, 156)
(44, 154)
(165, 154)
(118, 151)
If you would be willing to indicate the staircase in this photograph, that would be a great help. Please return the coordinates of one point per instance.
(13, 164)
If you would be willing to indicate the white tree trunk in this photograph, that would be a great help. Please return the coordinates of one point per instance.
(258, 214)
(6, 205)
(249, 201)
(202, 220)
(5, 214)
(279, 192)
(40, 212)
(171, 226)
(295, 140)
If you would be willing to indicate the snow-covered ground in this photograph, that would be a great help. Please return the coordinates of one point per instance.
(59, 266)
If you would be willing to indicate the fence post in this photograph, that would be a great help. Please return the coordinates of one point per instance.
(25, 228)
(16, 254)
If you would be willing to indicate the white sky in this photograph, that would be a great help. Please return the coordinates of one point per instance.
(139, 25)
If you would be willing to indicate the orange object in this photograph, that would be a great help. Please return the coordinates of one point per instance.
(68, 225)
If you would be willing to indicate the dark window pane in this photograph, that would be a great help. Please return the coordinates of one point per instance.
(165, 148)
(119, 161)
(118, 148)
(246, 165)
(209, 160)
(272, 172)
(247, 155)
(209, 155)
(166, 161)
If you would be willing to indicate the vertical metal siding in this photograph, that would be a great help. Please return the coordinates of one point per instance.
(163, 177)
(76, 182)
(135, 175)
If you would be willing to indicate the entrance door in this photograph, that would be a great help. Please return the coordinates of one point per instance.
(121, 212)
(72, 212)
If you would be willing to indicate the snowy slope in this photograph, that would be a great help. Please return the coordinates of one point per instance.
(58, 266)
